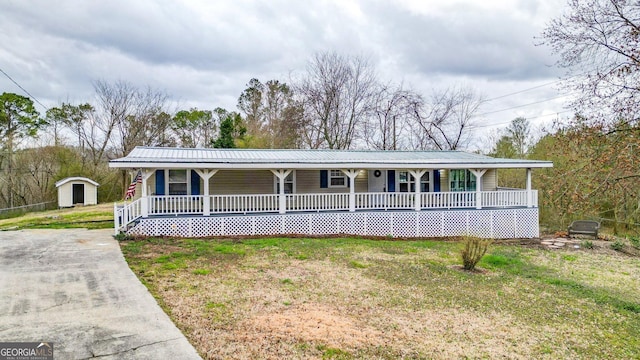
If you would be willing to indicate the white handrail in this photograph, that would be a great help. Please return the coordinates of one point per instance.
(244, 203)
(175, 204)
(269, 203)
(126, 214)
(385, 201)
(317, 202)
(511, 198)
(448, 200)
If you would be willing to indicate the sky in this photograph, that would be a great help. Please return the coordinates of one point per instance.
(203, 53)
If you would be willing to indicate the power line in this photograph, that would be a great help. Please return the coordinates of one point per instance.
(528, 118)
(23, 89)
(520, 106)
(521, 91)
(545, 115)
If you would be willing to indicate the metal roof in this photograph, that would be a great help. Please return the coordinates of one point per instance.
(167, 157)
(75, 178)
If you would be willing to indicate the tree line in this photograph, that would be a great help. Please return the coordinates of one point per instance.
(340, 102)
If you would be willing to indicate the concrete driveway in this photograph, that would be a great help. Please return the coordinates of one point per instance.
(74, 288)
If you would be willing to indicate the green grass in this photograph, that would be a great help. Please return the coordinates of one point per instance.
(89, 217)
(409, 295)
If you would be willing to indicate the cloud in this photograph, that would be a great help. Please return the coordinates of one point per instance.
(204, 52)
(466, 40)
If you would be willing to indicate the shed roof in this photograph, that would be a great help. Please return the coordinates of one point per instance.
(75, 178)
(167, 157)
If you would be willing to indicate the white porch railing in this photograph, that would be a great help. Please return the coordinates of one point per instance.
(448, 200)
(508, 198)
(385, 201)
(175, 204)
(244, 203)
(317, 202)
(270, 203)
(127, 213)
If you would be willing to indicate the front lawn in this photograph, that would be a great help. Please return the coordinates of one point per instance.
(88, 217)
(357, 298)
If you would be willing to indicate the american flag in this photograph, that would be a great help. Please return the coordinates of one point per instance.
(131, 191)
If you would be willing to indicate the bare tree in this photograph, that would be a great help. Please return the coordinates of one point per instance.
(391, 109)
(599, 44)
(336, 93)
(273, 117)
(124, 117)
(445, 122)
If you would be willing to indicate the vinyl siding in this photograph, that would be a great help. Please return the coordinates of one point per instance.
(444, 180)
(90, 194)
(231, 182)
(489, 180)
(308, 181)
(65, 195)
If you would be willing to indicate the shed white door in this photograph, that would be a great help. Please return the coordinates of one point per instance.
(377, 183)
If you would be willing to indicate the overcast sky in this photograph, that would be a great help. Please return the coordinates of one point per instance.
(203, 53)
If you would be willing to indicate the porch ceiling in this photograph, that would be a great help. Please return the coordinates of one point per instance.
(161, 157)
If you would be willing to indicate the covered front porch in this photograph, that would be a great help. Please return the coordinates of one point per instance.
(268, 194)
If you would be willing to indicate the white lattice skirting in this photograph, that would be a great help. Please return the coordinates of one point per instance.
(496, 224)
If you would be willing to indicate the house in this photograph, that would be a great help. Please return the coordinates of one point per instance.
(228, 192)
(77, 191)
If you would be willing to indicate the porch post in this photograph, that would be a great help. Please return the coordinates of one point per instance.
(478, 173)
(206, 174)
(417, 178)
(282, 174)
(529, 194)
(144, 208)
(352, 174)
(116, 223)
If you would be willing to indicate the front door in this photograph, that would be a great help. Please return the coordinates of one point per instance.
(78, 193)
(377, 180)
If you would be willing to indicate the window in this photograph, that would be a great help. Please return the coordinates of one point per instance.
(405, 181)
(288, 184)
(178, 182)
(424, 182)
(337, 179)
(408, 183)
(462, 180)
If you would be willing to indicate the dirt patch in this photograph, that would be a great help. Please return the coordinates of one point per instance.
(476, 270)
(152, 251)
(312, 323)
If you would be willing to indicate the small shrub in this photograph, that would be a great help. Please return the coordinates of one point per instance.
(617, 245)
(587, 244)
(473, 251)
(357, 264)
(635, 241)
(201, 272)
(121, 236)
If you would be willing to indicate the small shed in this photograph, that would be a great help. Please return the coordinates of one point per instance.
(77, 191)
